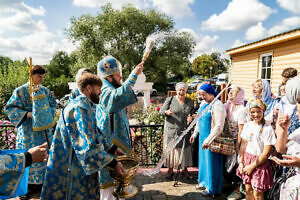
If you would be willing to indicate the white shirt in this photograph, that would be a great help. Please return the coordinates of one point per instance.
(256, 140)
(219, 115)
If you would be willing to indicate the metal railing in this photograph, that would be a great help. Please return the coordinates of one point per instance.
(147, 142)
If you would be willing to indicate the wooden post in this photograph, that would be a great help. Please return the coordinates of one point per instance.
(224, 95)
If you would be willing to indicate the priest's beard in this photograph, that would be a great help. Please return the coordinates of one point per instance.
(115, 83)
(94, 98)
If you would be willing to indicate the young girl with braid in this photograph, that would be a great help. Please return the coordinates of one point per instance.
(257, 140)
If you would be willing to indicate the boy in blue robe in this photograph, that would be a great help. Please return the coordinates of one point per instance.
(33, 115)
(112, 119)
(78, 149)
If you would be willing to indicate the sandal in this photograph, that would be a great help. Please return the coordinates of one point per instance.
(205, 193)
(200, 187)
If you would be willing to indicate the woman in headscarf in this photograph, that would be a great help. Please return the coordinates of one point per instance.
(177, 111)
(289, 144)
(285, 107)
(261, 89)
(210, 174)
(236, 118)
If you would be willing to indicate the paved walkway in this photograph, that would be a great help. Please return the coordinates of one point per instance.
(157, 187)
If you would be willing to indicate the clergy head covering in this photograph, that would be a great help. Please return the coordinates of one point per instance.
(81, 72)
(180, 85)
(256, 103)
(267, 96)
(208, 88)
(292, 90)
(238, 100)
(108, 66)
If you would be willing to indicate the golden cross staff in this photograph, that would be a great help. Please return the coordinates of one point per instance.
(29, 65)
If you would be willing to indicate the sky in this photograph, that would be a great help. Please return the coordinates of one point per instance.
(37, 28)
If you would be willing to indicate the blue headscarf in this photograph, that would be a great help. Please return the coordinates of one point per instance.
(267, 96)
(208, 88)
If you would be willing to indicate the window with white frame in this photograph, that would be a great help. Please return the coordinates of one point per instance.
(265, 66)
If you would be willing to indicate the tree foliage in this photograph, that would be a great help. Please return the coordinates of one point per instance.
(12, 75)
(210, 65)
(59, 74)
(122, 33)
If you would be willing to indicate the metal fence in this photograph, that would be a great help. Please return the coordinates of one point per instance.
(147, 142)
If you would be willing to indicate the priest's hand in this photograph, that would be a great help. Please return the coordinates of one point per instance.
(39, 153)
(119, 170)
(119, 152)
(29, 115)
(138, 69)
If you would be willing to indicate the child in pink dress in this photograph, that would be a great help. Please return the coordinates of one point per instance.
(257, 140)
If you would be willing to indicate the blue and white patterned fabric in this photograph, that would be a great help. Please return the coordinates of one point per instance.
(295, 122)
(77, 153)
(108, 66)
(16, 109)
(114, 101)
(42, 112)
(12, 168)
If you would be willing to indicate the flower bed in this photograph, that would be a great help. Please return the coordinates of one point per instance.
(7, 135)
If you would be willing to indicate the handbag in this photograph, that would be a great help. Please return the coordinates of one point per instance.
(274, 193)
(224, 143)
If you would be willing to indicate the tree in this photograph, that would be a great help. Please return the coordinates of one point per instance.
(59, 65)
(59, 74)
(12, 76)
(222, 63)
(210, 65)
(122, 33)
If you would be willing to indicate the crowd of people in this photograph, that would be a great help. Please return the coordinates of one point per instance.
(264, 129)
(93, 129)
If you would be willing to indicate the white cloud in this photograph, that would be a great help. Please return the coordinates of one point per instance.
(256, 32)
(238, 14)
(290, 5)
(19, 6)
(285, 25)
(27, 46)
(204, 43)
(237, 43)
(98, 3)
(21, 21)
(175, 8)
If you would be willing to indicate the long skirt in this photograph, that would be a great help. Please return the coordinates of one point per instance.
(174, 158)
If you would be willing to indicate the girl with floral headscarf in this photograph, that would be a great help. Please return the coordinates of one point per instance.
(257, 140)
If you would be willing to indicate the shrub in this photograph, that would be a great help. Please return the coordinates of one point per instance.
(7, 135)
(151, 116)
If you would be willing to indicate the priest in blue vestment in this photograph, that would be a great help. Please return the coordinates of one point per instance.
(31, 109)
(78, 149)
(112, 119)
